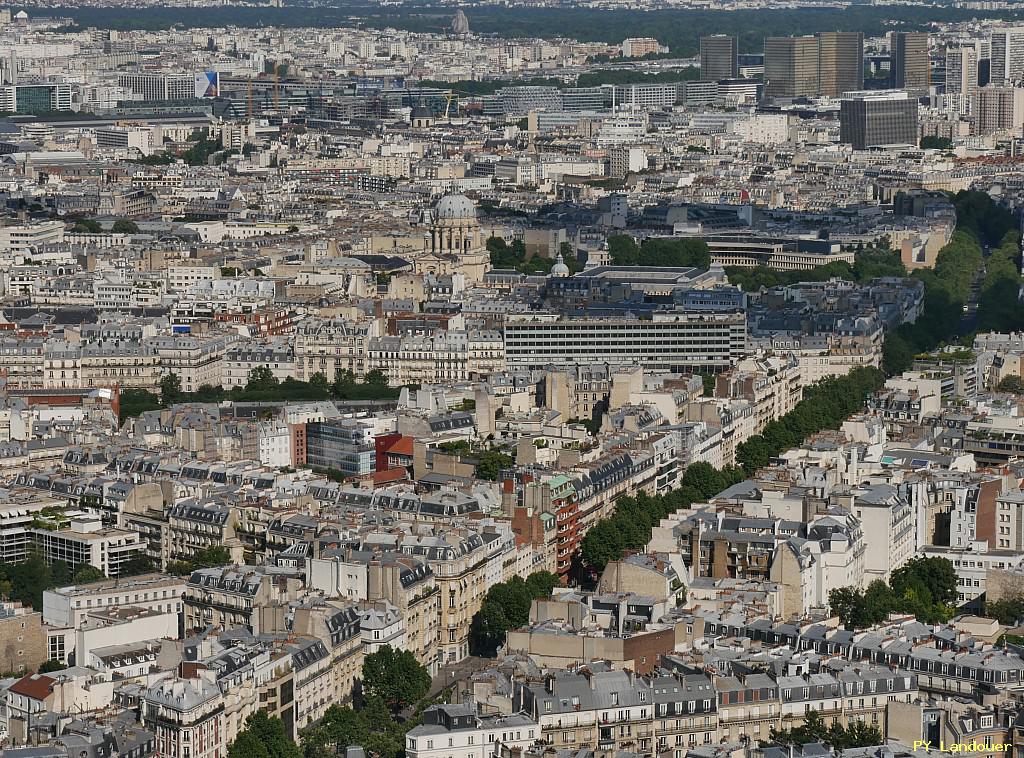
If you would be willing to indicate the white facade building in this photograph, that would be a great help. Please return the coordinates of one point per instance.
(455, 731)
(889, 525)
(20, 239)
(126, 138)
(972, 564)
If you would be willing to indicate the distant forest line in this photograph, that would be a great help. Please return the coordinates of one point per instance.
(680, 29)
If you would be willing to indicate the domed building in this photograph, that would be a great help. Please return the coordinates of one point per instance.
(456, 243)
(421, 117)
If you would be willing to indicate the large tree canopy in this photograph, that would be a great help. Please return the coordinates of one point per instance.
(395, 676)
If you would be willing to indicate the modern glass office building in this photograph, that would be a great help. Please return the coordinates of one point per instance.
(35, 98)
(868, 119)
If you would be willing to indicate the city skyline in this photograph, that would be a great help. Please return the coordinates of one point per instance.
(488, 381)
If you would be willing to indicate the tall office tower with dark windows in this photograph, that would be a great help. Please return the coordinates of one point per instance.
(791, 67)
(872, 118)
(909, 68)
(1007, 64)
(840, 63)
(718, 58)
(962, 69)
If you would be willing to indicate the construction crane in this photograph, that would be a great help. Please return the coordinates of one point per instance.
(452, 96)
(449, 97)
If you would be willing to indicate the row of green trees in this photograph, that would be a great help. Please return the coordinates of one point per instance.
(92, 226)
(262, 386)
(814, 729)
(869, 263)
(980, 222)
(658, 251)
(636, 75)
(507, 606)
(595, 78)
(391, 681)
(215, 555)
(825, 405)
(478, 87)
(978, 214)
(925, 587)
(513, 256)
(999, 307)
(947, 288)
(629, 527)
(26, 581)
